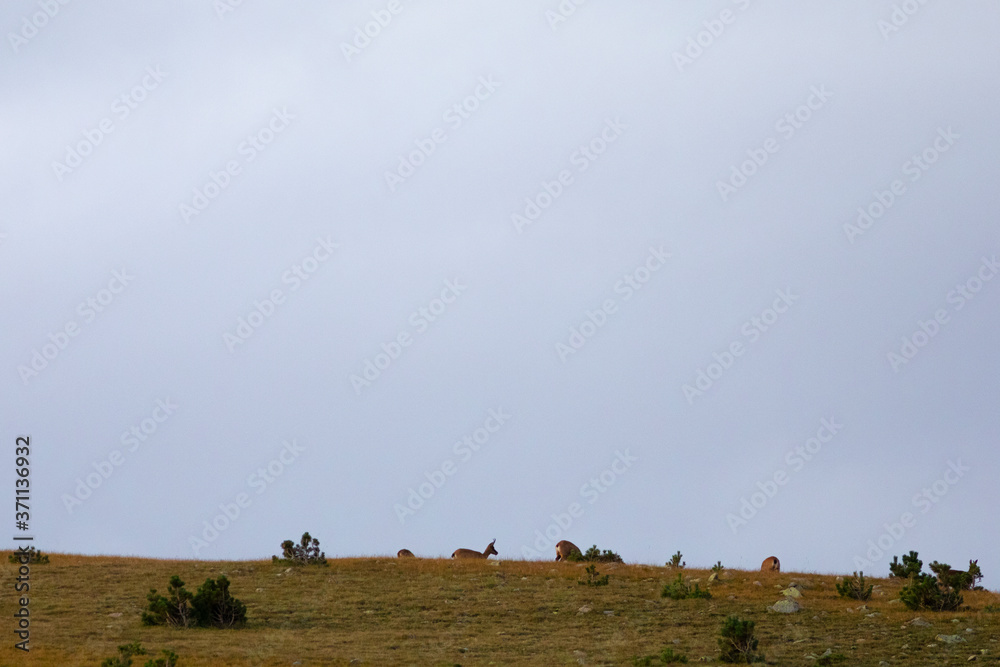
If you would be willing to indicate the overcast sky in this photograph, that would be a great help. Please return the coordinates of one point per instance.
(716, 277)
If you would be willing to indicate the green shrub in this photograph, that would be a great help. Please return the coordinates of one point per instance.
(678, 590)
(172, 610)
(855, 588)
(675, 561)
(923, 592)
(737, 642)
(215, 607)
(910, 567)
(306, 552)
(594, 555)
(717, 568)
(211, 607)
(666, 657)
(127, 651)
(593, 577)
(992, 608)
(34, 557)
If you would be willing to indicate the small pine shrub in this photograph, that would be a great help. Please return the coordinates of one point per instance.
(679, 590)
(172, 610)
(124, 657)
(854, 588)
(127, 651)
(992, 608)
(211, 607)
(738, 642)
(215, 607)
(306, 552)
(923, 592)
(595, 555)
(169, 659)
(667, 657)
(675, 561)
(717, 568)
(910, 567)
(34, 557)
(594, 577)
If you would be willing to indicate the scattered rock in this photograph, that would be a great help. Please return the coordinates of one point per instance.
(584, 610)
(260, 590)
(969, 630)
(973, 657)
(792, 592)
(786, 606)
(757, 583)
(713, 577)
(609, 613)
(950, 639)
(115, 614)
(919, 622)
(872, 615)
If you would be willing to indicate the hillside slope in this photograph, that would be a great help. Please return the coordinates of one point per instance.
(382, 611)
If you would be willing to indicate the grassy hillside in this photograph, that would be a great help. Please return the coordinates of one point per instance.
(383, 611)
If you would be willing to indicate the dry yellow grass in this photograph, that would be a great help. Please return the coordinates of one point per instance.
(387, 611)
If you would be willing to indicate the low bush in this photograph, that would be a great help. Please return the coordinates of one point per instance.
(34, 557)
(679, 590)
(855, 588)
(594, 555)
(213, 606)
(738, 642)
(594, 577)
(306, 552)
(675, 561)
(666, 657)
(127, 651)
